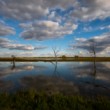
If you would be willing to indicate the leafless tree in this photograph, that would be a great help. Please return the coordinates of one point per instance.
(93, 52)
(13, 60)
(93, 47)
(55, 51)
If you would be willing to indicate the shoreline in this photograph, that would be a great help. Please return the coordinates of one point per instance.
(51, 59)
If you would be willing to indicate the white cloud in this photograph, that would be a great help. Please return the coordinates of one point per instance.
(101, 42)
(23, 9)
(5, 29)
(45, 29)
(4, 40)
(34, 9)
(80, 39)
(49, 24)
(92, 9)
(42, 21)
(105, 27)
(19, 54)
(30, 9)
(8, 44)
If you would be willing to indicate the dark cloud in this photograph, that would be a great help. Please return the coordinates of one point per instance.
(46, 22)
(30, 9)
(6, 30)
(101, 43)
(92, 9)
(22, 9)
(52, 27)
(40, 47)
(8, 44)
(4, 40)
(34, 9)
(43, 30)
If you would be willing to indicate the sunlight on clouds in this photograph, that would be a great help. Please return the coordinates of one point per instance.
(32, 21)
(43, 30)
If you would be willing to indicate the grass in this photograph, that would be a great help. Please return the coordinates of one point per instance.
(32, 100)
(24, 59)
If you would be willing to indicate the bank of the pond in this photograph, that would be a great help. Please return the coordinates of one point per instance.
(31, 100)
(59, 59)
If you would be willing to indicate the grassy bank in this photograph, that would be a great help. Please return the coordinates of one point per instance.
(49, 59)
(31, 100)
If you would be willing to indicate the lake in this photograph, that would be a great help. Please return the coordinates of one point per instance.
(82, 78)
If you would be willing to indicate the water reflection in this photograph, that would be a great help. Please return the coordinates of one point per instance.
(5, 85)
(93, 79)
(66, 77)
(100, 71)
(55, 72)
(49, 84)
(8, 70)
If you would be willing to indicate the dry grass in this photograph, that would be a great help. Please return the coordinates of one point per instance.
(49, 59)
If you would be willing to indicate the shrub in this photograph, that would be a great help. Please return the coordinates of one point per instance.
(64, 57)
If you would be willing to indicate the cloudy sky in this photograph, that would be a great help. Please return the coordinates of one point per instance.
(33, 27)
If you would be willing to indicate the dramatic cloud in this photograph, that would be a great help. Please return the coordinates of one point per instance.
(101, 43)
(5, 43)
(43, 30)
(6, 30)
(30, 9)
(51, 19)
(22, 9)
(92, 9)
(4, 40)
(33, 9)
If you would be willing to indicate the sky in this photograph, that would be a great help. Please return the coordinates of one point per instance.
(34, 27)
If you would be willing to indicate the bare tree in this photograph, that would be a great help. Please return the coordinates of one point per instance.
(93, 52)
(13, 60)
(55, 51)
(93, 47)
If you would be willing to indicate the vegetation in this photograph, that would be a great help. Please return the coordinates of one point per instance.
(31, 100)
(24, 59)
(63, 57)
(76, 56)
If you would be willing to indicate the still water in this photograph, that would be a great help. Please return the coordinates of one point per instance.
(62, 77)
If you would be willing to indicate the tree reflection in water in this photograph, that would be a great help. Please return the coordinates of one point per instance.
(13, 66)
(92, 78)
(55, 72)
